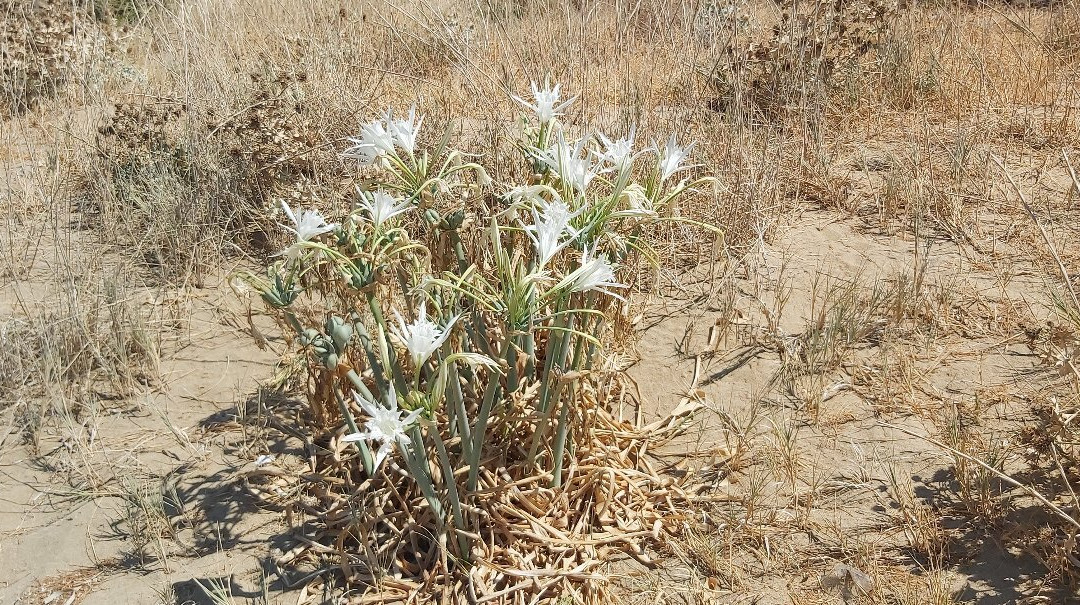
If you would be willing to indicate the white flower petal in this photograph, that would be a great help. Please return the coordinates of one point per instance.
(568, 163)
(374, 142)
(380, 456)
(422, 338)
(671, 158)
(385, 425)
(546, 102)
(307, 225)
(593, 274)
(405, 131)
(549, 226)
(381, 206)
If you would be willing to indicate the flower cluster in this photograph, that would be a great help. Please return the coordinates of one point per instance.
(381, 138)
(575, 165)
(499, 295)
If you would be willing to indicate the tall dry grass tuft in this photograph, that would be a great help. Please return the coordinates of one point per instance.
(56, 361)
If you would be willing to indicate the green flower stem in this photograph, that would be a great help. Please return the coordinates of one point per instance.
(530, 349)
(560, 438)
(560, 338)
(388, 351)
(416, 461)
(457, 409)
(459, 251)
(451, 489)
(511, 361)
(373, 359)
(358, 383)
(365, 453)
(558, 344)
(477, 333)
(480, 428)
(576, 361)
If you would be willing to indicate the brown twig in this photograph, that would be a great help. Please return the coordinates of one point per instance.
(1046, 237)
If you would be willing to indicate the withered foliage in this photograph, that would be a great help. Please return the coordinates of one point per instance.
(222, 177)
(37, 46)
(804, 55)
(1052, 448)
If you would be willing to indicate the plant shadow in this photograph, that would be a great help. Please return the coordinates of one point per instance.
(204, 511)
(994, 555)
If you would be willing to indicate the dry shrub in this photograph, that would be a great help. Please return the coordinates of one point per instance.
(1063, 35)
(807, 55)
(277, 150)
(1052, 443)
(184, 186)
(37, 45)
(121, 11)
(901, 77)
(1053, 450)
(159, 191)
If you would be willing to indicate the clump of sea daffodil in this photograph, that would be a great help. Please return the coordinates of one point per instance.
(500, 297)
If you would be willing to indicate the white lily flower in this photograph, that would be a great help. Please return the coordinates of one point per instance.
(307, 226)
(594, 274)
(672, 157)
(568, 163)
(385, 425)
(637, 203)
(381, 206)
(530, 193)
(547, 105)
(550, 224)
(525, 196)
(619, 153)
(405, 131)
(422, 337)
(374, 142)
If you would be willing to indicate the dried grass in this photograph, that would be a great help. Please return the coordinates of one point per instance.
(533, 541)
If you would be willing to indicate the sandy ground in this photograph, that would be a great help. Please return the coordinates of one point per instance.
(65, 520)
(64, 510)
(849, 452)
